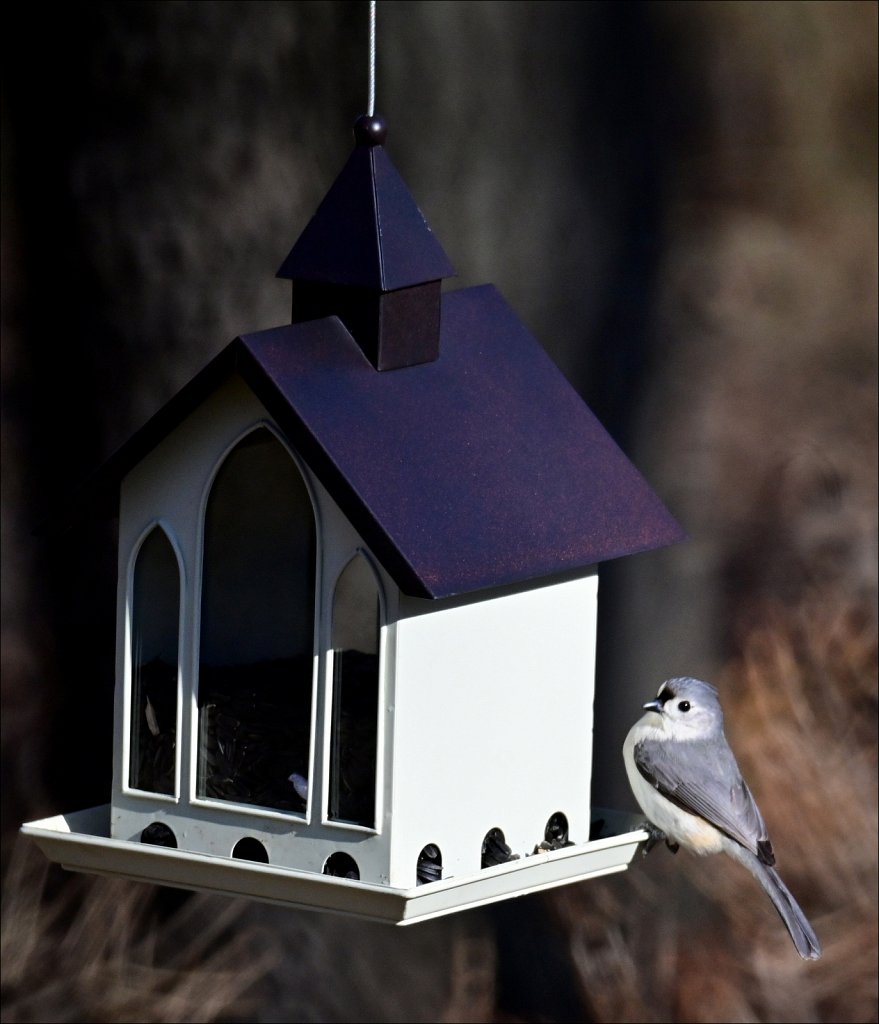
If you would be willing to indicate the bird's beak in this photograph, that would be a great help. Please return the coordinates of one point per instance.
(654, 705)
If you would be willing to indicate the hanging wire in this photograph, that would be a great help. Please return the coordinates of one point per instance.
(370, 107)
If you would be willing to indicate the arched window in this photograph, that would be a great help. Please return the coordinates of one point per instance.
(256, 663)
(155, 624)
(354, 720)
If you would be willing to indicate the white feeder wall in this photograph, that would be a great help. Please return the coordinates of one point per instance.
(492, 723)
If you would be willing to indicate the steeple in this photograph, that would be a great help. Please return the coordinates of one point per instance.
(369, 257)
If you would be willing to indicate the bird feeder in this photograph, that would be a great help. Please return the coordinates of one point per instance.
(357, 586)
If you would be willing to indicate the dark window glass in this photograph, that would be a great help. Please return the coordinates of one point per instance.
(353, 744)
(155, 618)
(257, 628)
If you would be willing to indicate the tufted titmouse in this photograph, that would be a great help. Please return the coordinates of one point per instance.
(686, 779)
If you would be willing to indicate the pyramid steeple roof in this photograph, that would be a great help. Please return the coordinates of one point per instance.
(368, 231)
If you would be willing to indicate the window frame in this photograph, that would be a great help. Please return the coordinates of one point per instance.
(329, 696)
(193, 738)
(161, 524)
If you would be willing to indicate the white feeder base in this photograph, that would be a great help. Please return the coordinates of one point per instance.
(81, 841)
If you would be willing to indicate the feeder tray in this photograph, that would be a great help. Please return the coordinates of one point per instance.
(81, 841)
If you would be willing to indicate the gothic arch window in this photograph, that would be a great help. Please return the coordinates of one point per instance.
(355, 695)
(155, 626)
(256, 652)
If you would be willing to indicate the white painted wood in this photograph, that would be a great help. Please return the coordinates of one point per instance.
(493, 722)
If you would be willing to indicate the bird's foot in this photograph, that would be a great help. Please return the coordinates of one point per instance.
(655, 836)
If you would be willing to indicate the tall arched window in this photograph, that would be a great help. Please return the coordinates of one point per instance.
(155, 624)
(354, 720)
(256, 664)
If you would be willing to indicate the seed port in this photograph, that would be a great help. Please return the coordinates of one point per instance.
(342, 865)
(159, 834)
(495, 850)
(249, 848)
(555, 835)
(430, 865)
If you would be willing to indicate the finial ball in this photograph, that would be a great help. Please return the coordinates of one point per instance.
(370, 130)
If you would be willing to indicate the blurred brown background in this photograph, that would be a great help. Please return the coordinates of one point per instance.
(680, 200)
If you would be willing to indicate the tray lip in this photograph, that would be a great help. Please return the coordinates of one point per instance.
(74, 840)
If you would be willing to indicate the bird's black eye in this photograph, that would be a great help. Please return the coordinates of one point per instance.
(684, 706)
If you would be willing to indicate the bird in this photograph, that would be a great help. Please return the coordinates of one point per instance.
(687, 782)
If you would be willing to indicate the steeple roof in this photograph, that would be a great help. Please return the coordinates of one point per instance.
(368, 232)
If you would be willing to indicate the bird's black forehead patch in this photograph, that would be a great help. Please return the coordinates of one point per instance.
(665, 694)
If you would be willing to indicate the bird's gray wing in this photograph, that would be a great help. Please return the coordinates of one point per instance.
(703, 778)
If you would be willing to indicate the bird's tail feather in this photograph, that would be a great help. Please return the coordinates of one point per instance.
(795, 921)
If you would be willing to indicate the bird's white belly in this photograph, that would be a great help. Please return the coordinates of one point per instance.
(691, 831)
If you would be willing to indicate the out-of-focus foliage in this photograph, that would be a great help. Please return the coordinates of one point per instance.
(77, 948)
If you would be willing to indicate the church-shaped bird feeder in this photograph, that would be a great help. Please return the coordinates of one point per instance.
(357, 586)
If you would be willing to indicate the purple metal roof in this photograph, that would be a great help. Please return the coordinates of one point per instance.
(480, 469)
